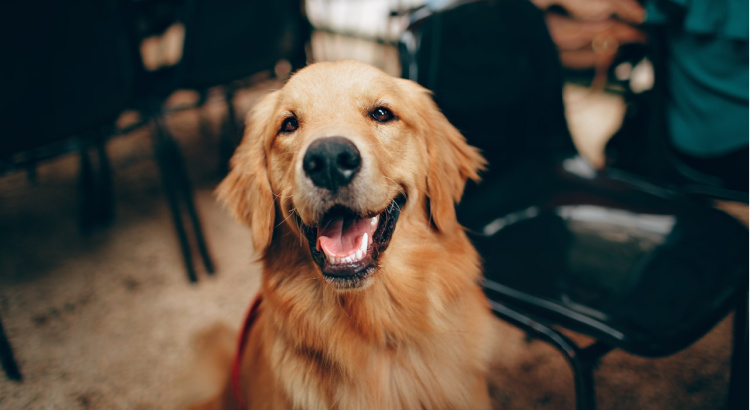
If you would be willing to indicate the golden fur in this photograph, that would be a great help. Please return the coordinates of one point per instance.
(416, 334)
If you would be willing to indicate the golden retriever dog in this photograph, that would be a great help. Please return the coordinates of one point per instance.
(348, 179)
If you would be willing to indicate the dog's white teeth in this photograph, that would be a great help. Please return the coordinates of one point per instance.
(374, 220)
(356, 256)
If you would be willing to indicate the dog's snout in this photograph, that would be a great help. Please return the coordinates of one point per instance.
(332, 162)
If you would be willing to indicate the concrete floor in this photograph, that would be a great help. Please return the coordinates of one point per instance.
(104, 320)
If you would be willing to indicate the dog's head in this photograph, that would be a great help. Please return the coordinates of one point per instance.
(337, 156)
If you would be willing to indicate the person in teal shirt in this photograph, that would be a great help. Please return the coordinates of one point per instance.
(706, 95)
(698, 111)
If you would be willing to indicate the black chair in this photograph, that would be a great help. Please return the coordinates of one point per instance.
(226, 42)
(634, 265)
(70, 70)
(637, 267)
(8, 360)
(68, 74)
(229, 40)
(462, 52)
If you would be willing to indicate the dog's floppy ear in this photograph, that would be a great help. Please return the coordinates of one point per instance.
(450, 161)
(246, 190)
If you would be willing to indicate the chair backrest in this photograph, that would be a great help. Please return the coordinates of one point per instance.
(227, 40)
(495, 73)
(68, 68)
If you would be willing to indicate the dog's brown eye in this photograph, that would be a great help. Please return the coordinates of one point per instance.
(382, 114)
(289, 125)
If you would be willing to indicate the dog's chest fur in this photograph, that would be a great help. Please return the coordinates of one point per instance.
(384, 348)
(402, 378)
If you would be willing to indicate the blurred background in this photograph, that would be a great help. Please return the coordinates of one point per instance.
(120, 117)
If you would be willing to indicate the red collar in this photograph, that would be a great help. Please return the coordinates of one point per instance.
(252, 314)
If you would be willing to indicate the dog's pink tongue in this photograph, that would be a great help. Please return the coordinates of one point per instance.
(341, 237)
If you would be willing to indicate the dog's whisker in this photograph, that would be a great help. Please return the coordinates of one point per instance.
(299, 225)
(401, 189)
(285, 219)
(398, 206)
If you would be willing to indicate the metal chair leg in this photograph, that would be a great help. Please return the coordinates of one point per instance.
(164, 149)
(177, 187)
(581, 361)
(96, 196)
(187, 197)
(230, 137)
(105, 197)
(87, 189)
(738, 379)
(6, 357)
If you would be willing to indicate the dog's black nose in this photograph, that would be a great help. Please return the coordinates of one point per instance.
(332, 162)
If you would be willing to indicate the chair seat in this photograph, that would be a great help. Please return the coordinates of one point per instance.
(640, 268)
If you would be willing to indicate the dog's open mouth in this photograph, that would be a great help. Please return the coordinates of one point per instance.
(346, 245)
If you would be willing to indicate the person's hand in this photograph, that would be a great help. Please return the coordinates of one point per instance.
(590, 32)
(597, 10)
(582, 44)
